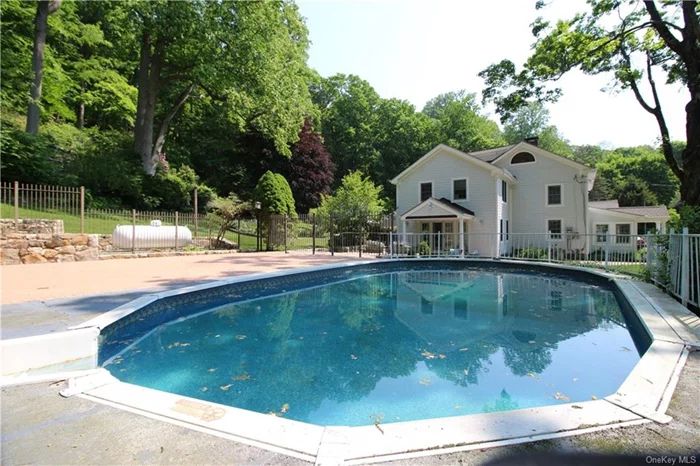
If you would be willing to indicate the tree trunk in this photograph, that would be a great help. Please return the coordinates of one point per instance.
(690, 182)
(43, 9)
(81, 110)
(149, 85)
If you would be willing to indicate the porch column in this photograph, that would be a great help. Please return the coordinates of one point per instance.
(461, 237)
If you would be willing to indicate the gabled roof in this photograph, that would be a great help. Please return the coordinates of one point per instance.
(444, 204)
(527, 147)
(457, 153)
(656, 211)
(489, 155)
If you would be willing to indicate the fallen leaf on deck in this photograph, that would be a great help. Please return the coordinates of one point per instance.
(593, 397)
(577, 407)
(272, 413)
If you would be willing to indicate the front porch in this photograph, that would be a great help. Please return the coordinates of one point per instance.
(442, 225)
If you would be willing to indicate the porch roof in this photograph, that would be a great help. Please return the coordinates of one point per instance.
(437, 208)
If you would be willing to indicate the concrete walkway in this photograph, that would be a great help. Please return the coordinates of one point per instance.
(44, 298)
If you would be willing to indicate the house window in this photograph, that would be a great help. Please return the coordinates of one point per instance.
(504, 190)
(554, 227)
(644, 228)
(461, 309)
(522, 157)
(426, 191)
(426, 307)
(554, 194)
(459, 190)
(501, 230)
(601, 232)
(507, 230)
(622, 232)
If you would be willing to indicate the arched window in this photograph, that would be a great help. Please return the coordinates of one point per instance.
(522, 157)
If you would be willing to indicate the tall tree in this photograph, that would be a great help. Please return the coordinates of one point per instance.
(635, 192)
(43, 9)
(461, 124)
(527, 121)
(309, 170)
(611, 38)
(253, 60)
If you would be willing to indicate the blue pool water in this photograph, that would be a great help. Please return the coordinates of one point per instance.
(396, 346)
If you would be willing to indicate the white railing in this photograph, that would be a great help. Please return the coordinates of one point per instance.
(605, 250)
(675, 265)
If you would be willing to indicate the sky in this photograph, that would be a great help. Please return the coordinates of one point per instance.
(415, 50)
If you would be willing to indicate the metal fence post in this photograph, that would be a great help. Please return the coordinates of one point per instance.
(685, 267)
(16, 206)
(391, 235)
(549, 246)
(196, 211)
(239, 233)
(133, 230)
(176, 229)
(331, 240)
(362, 239)
(313, 234)
(285, 234)
(607, 248)
(82, 209)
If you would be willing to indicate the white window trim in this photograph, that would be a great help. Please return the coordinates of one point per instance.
(595, 232)
(630, 235)
(546, 225)
(452, 187)
(546, 195)
(432, 189)
(510, 162)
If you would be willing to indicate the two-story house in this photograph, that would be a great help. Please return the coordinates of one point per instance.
(496, 194)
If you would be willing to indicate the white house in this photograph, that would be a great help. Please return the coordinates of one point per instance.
(495, 195)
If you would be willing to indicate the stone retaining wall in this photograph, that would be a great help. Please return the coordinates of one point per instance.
(31, 226)
(39, 248)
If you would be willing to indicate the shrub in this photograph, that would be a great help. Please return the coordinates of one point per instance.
(424, 249)
(275, 197)
(531, 252)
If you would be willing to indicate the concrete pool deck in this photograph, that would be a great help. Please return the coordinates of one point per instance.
(40, 427)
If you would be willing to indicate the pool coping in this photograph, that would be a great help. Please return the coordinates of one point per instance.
(643, 396)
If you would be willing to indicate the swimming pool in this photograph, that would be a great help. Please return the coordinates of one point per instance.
(385, 342)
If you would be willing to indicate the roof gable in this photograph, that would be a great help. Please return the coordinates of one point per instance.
(538, 151)
(457, 153)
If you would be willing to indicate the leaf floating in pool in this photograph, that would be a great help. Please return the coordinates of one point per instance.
(532, 342)
(464, 349)
(428, 355)
(225, 387)
(204, 389)
(593, 397)
(272, 413)
(177, 343)
(458, 407)
(352, 356)
(185, 344)
(530, 374)
(575, 379)
(559, 396)
(425, 381)
(243, 376)
(285, 408)
(466, 371)
(441, 356)
(239, 337)
(217, 336)
(624, 348)
(213, 369)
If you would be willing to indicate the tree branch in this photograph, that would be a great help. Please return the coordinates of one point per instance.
(163, 131)
(54, 5)
(666, 145)
(633, 83)
(690, 16)
(662, 28)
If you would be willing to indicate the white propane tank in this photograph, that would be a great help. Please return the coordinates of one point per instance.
(154, 235)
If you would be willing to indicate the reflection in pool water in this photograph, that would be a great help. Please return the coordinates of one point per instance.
(394, 347)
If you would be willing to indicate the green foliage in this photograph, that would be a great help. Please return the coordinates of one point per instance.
(225, 213)
(689, 217)
(635, 192)
(356, 200)
(172, 189)
(423, 249)
(275, 195)
(531, 252)
(528, 121)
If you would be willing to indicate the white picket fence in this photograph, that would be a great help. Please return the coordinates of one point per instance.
(674, 264)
